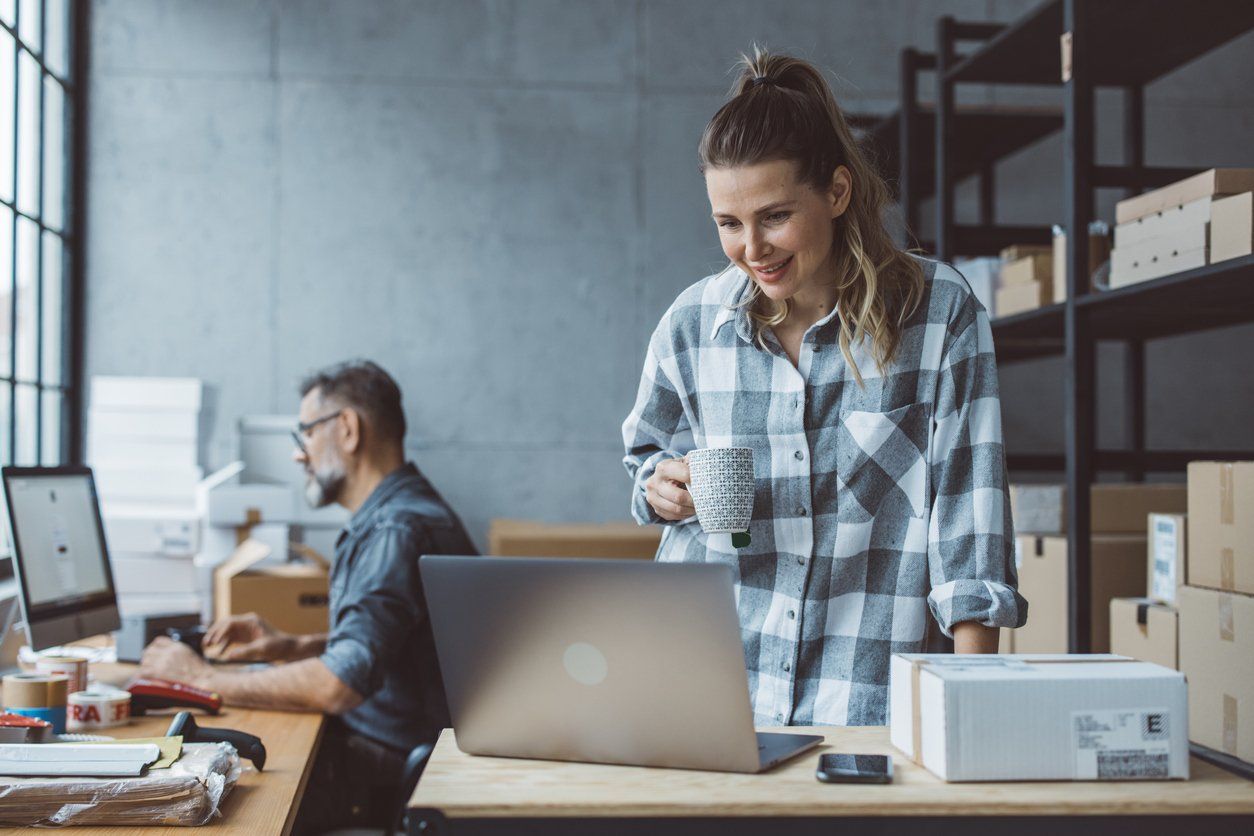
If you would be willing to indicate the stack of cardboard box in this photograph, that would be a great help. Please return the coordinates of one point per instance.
(1146, 627)
(1026, 280)
(1216, 607)
(526, 538)
(143, 442)
(1099, 252)
(1191, 223)
(1118, 514)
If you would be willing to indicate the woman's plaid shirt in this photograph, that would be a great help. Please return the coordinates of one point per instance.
(873, 502)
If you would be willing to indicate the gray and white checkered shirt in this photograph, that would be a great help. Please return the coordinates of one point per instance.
(872, 504)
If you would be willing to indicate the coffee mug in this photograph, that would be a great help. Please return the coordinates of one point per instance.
(722, 487)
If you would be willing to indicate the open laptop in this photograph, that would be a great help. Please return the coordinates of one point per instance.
(602, 661)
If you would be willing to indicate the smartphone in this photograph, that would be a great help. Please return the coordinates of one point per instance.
(855, 769)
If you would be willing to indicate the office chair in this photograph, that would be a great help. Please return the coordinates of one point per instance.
(414, 765)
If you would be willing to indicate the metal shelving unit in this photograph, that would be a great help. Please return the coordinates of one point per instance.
(1080, 45)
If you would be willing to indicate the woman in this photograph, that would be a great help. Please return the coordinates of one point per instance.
(864, 380)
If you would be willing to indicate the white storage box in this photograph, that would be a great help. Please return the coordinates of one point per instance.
(236, 505)
(147, 574)
(152, 529)
(114, 423)
(176, 394)
(1049, 717)
(165, 486)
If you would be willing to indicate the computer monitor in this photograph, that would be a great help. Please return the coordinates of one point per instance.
(64, 581)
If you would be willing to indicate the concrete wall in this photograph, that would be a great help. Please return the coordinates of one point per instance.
(497, 199)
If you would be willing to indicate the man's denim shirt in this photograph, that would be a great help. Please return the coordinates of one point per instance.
(380, 642)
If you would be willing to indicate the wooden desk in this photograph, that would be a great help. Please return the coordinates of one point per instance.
(462, 793)
(260, 803)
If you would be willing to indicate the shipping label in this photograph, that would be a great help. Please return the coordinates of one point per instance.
(1121, 745)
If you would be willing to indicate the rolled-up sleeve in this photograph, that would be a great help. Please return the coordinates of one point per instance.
(971, 535)
(658, 427)
(382, 602)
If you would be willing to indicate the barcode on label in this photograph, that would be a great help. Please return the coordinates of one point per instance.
(1113, 766)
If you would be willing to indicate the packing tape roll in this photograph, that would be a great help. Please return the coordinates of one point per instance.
(91, 710)
(35, 690)
(71, 666)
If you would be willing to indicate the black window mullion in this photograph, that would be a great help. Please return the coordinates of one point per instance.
(17, 110)
(39, 242)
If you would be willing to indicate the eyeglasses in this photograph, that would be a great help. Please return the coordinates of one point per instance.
(304, 429)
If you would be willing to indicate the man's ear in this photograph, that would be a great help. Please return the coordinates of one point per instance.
(841, 191)
(350, 430)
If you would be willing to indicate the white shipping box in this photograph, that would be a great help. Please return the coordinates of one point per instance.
(179, 394)
(126, 451)
(152, 529)
(1194, 214)
(1181, 249)
(165, 486)
(113, 422)
(160, 603)
(1052, 717)
(149, 574)
(236, 505)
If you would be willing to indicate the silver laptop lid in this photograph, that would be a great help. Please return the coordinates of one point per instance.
(606, 661)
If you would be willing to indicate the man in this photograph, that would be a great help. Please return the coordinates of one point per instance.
(376, 670)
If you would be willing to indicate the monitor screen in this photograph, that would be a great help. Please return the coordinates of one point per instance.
(63, 556)
(60, 554)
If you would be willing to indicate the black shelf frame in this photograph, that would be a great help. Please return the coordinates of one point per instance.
(1080, 45)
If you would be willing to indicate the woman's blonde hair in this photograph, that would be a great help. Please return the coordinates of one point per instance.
(781, 108)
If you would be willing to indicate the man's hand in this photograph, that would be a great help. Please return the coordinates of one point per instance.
(246, 638)
(168, 659)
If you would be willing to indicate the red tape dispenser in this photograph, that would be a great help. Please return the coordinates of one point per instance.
(148, 694)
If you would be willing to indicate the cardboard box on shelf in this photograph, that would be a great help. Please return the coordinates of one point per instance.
(292, 597)
(1193, 215)
(1232, 227)
(1017, 298)
(1216, 181)
(1032, 268)
(1144, 629)
(1221, 526)
(1172, 252)
(1114, 508)
(1015, 252)
(1118, 570)
(1217, 657)
(1040, 718)
(1166, 555)
(1099, 251)
(523, 538)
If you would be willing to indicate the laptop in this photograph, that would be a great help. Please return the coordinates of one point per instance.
(600, 661)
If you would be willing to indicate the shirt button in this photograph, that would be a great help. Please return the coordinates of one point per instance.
(801, 561)
(798, 455)
(779, 718)
(801, 510)
(792, 614)
(816, 348)
(788, 666)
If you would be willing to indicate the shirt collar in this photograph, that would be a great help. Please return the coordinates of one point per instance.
(733, 309)
(384, 491)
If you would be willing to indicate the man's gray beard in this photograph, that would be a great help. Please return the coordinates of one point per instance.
(324, 488)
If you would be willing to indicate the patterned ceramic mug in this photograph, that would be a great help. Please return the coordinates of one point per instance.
(721, 484)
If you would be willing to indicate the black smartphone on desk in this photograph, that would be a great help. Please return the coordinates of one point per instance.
(855, 769)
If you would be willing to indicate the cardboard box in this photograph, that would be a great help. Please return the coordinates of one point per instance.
(1166, 556)
(1221, 526)
(1217, 657)
(1114, 508)
(1015, 252)
(1217, 181)
(231, 506)
(292, 597)
(1144, 629)
(1118, 570)
(522, 538)
(1172, 252)
(1232, 227)
(1039, 718)
(1099, 251)
(178, 394)
(1017, 298)
(1032, 268)
(1193, 215)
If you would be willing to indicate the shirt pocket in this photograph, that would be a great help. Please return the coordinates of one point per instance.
(883, 458)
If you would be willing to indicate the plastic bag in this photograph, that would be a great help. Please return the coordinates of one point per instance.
(189, 792)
